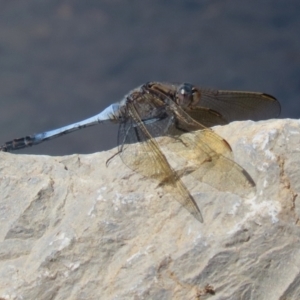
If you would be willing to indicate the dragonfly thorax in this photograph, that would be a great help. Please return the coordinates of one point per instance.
(187, 95)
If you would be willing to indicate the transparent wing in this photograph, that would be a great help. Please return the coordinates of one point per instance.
(217, 107)
(206, 116)
(211, 167)
(238, 106)
(146, 158)
(209, 155)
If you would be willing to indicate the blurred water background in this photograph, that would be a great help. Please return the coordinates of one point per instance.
(63, 61)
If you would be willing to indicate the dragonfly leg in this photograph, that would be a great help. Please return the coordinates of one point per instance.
(112, 157)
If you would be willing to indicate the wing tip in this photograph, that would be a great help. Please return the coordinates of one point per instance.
(198, 216)
(274, 100)
(250, 180)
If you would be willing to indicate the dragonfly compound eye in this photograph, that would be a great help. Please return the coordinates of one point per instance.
(185, 95)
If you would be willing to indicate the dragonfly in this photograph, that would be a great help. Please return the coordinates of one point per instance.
(185, 114)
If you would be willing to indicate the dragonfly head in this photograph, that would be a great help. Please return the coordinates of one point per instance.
(187, 95)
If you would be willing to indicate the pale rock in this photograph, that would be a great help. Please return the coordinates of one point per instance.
(72, 228)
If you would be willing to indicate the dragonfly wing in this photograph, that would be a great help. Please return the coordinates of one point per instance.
(238, 106)
(211, 167)
(206, 116)
(146, 158)
(209, 155)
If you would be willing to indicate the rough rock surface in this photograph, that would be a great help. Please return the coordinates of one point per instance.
(72, 228)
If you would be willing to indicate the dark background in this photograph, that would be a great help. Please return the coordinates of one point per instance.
(63, 61)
